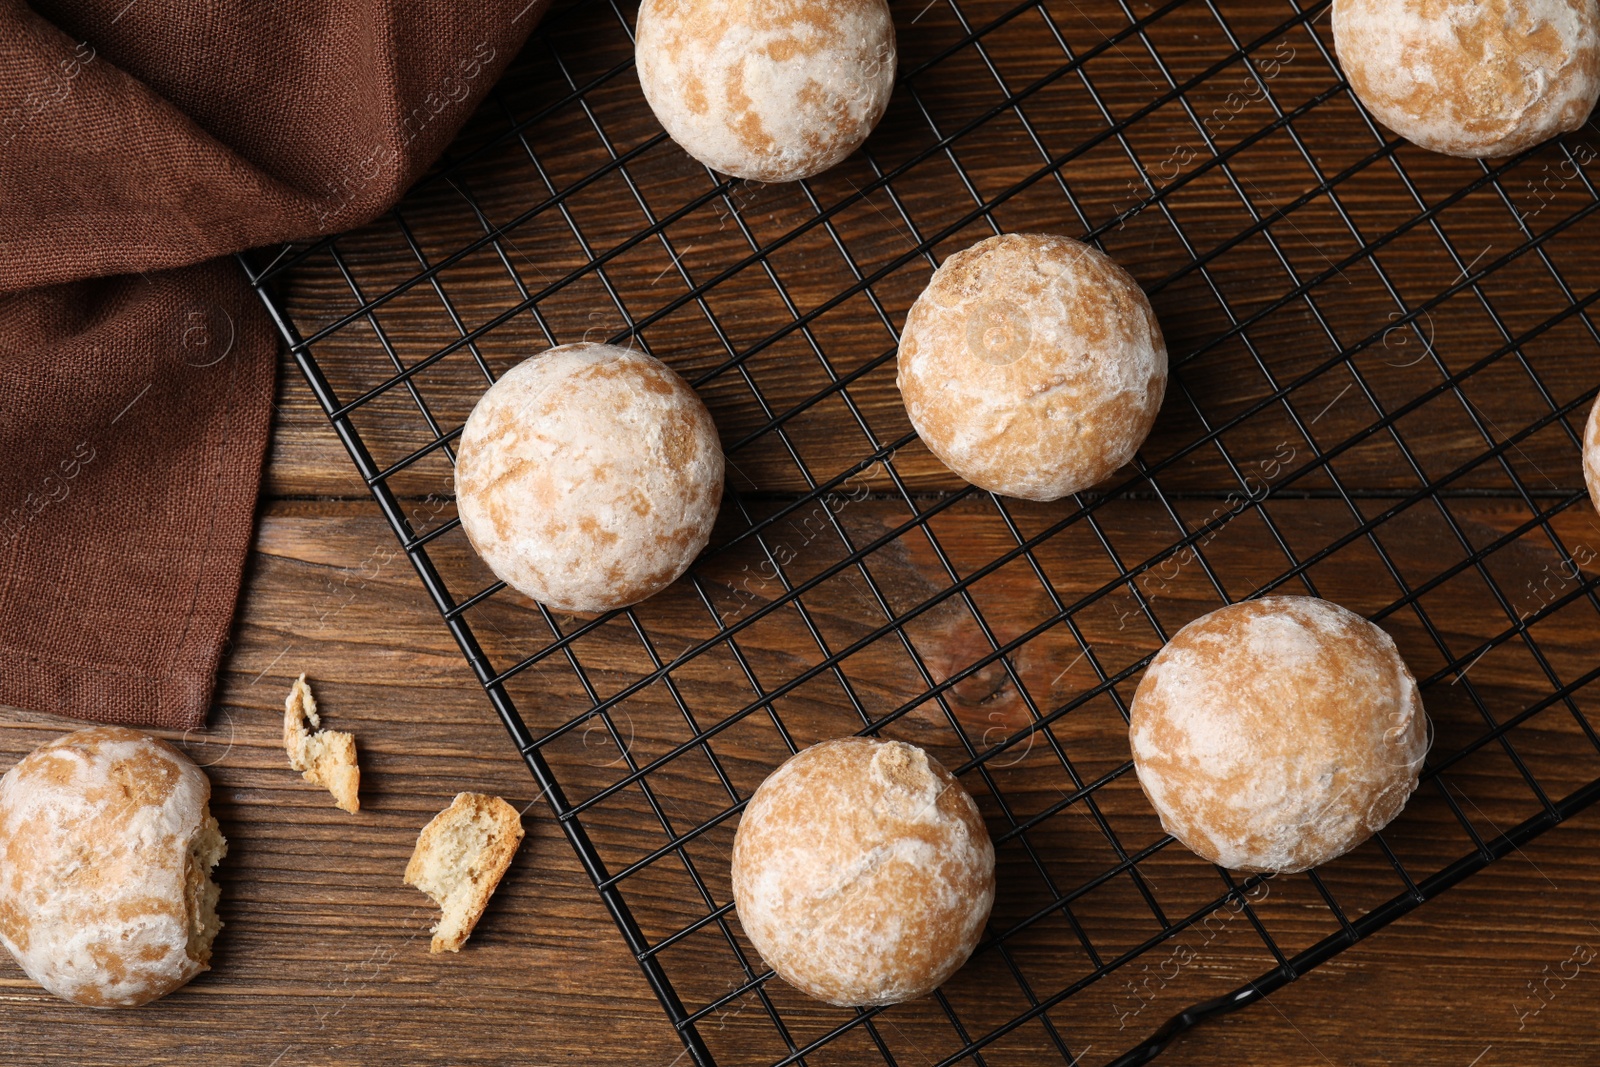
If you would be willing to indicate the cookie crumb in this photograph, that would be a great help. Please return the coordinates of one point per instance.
(326, 757)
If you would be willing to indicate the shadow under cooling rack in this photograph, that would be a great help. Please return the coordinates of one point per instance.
(1381, 360)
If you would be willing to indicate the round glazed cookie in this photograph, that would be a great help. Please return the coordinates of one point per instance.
(1277, 734)
(588, 477)
(1475, 78)
(106, 898)
(770, 90)
(862, 872)
(1032, 365)
(1591, 454)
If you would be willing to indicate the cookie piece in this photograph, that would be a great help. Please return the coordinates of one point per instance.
(460, 857)
(327, 757)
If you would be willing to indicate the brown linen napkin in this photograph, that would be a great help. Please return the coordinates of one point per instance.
(140, 140)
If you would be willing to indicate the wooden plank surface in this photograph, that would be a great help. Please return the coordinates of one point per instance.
(324, 961)
(324, 957)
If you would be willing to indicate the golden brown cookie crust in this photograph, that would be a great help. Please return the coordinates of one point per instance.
(106, 848)
(1032, 365)
(1277, 734)
(1474, 78)
(769, 90)
(589, 477)
(862, 872)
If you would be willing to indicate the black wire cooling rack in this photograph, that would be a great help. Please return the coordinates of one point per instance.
(1381, 362)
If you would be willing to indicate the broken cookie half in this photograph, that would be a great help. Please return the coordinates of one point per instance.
(326, 757)
(459, 860)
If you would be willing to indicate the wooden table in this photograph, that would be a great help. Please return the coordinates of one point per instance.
(323, 959)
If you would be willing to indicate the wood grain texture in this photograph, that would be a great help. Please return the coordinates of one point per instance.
(324, 958)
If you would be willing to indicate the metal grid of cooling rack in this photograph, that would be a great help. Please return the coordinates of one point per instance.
(868, 565)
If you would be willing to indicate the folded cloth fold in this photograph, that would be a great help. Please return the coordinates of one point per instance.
(139, 141)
